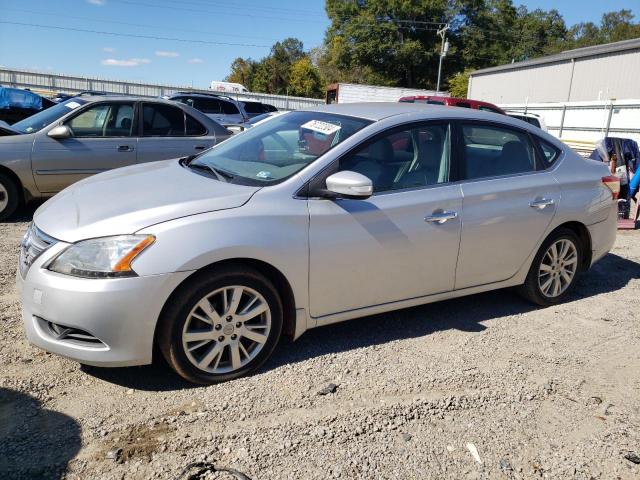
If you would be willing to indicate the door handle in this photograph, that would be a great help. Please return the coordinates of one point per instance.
(441, 216)
(541, 203)
(200, 147)
(125, 148)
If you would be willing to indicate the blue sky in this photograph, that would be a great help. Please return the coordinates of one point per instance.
(225, 29)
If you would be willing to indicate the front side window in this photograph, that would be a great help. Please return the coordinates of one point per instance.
(162, 121)
(490, 151)
(406, 158)
(275, 150)
(103, 120)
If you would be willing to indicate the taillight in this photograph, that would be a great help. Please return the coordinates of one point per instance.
(612, 183)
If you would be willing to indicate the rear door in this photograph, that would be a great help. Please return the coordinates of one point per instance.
(169, 132)
(508, 202)
(102, 139)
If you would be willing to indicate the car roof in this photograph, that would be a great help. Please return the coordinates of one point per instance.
(379, 110)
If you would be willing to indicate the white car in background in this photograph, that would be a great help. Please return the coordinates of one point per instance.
(531, 118)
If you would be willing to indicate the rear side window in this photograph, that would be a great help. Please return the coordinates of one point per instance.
(550, 153)
(207, 105)
(488, 109)
(254, 107)
(491, 151)
(162, 121)
(229, 108)
(194, 127)
(462, 104)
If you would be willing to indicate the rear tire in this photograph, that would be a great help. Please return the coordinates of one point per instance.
(9, 197)
(554, 269)
(220, 326)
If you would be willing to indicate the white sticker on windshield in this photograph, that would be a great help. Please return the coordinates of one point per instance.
(72, 105)
(263, 174)
(325, 128)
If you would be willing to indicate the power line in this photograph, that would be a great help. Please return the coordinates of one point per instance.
(133, 35)
(160, 27)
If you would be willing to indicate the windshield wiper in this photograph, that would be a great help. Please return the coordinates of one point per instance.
(220, 174)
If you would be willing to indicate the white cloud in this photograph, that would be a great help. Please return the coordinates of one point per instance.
(97, 2)
(164, 53)
(108, 49)
(129, 62)
(196, 60)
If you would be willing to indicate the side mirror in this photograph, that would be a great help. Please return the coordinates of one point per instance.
(60, 132)
(347, 184)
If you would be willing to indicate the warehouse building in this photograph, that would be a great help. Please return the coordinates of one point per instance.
(602, 72)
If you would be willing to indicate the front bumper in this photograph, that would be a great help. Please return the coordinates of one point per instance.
(120, 313)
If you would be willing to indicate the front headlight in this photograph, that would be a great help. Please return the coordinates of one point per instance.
(106, 257)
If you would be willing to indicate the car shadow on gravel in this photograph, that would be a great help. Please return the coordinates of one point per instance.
(34, 442)
(466, 314)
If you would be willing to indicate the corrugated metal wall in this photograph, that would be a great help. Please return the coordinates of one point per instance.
(350, 93)
(53, 83)
(594, 78)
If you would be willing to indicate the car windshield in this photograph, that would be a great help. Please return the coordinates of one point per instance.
(275, 150)
(37, 122)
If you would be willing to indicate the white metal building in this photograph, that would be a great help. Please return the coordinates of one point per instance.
(602, 72)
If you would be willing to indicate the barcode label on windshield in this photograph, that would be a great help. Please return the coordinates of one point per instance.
(319, 126)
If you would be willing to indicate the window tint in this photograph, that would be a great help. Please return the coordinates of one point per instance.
(435, 102)
(103, 120)
(409, 158)
(208, 105)
(254, 107)
(533, 121)
(492, 151)
(550, 152)
(229, 108)
(194, 127)
(462, 104)
(488, 109)
(162, 121)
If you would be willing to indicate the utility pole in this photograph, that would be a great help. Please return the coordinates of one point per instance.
(444, 48)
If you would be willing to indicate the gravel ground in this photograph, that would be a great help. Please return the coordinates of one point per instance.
(481, 387)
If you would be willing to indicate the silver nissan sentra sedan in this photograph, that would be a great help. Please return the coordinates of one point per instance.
(314, 217)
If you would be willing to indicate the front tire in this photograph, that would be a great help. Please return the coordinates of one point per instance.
(221, 326)
(554, 269)
(9, 199)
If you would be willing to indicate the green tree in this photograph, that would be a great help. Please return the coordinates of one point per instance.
(459, 84)
(304, 79)
(242, 71)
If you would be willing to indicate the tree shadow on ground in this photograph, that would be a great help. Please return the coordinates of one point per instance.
(34, 442)
(467, 314)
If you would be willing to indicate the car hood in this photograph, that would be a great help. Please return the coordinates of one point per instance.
(128, 199)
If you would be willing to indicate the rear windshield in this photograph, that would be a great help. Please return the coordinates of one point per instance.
(37, 122)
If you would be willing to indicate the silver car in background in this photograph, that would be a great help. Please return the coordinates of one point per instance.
(311, 218)
(91, 134)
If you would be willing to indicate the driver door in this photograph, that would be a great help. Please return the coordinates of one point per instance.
(389, 247)
(102, 139)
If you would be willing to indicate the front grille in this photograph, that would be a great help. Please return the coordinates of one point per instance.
(69, 334)
(34, 244)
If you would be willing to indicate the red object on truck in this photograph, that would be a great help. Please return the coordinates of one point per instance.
(454, 102)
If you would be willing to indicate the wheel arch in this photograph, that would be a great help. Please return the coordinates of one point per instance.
(279, 280)
(582, 232)
(23, 197)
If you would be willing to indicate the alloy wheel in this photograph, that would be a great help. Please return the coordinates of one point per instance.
(558, 268)
(4, 197)
(226, 329)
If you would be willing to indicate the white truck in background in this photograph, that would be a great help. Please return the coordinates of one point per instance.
(227, 87)
(351, 93)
